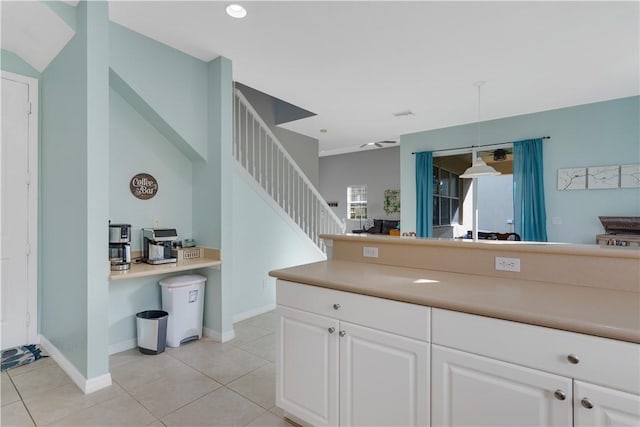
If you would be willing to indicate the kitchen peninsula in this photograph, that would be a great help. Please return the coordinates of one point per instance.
(418, 332)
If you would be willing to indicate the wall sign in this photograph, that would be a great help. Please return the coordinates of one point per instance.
(143, 186)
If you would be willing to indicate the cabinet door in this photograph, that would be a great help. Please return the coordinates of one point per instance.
(471, 390)
(600, 406)
(384, 378)
(307, 366)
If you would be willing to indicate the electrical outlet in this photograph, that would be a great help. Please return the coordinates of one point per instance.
(508, 264)
(370, 252)
(156, 222)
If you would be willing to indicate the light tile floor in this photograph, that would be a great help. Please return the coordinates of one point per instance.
(202, 383)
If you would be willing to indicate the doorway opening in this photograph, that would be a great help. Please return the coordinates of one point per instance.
(453, 196)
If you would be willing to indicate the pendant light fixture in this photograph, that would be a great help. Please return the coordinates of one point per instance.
(478, 167)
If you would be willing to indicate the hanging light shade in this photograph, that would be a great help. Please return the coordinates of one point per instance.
(479, 168)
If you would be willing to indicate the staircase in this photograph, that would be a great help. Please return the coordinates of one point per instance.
(262, 156)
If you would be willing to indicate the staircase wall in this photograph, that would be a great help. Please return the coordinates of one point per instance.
(263, 240)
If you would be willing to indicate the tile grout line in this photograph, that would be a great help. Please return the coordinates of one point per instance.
(140, 403)
(24, 405)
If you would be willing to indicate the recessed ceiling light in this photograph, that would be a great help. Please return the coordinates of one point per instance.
(323, 130)
(236, 11)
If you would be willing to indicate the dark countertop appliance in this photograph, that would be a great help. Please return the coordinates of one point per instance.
(120, 246)
(156, 245)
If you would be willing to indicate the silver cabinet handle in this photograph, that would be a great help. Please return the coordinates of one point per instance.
(572, 358)
(559, 394)
(331, 330)
(586, 403)
(336, 306)
(342, 333)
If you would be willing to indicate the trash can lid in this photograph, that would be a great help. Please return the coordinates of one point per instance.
(152, 314)
(184, 280)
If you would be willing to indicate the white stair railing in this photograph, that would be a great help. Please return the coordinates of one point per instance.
(260, 153)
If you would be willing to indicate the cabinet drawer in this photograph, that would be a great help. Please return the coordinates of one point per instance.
(601, 361)
(409, 320)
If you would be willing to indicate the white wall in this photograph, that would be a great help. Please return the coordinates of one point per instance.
(378, 169)
(495, 203)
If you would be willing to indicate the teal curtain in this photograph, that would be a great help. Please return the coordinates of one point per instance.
(424, 193)
(530, 218)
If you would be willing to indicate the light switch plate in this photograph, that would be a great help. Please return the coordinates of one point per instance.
(508, 264)
(370, 252)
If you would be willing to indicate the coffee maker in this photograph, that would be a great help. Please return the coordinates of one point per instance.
(120, 246)
(156, 245)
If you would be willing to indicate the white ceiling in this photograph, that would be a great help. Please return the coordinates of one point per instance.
(33, 31)
(357, 63)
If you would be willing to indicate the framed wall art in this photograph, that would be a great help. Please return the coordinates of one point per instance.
(572, 179)
(603, 177)
(630, 176)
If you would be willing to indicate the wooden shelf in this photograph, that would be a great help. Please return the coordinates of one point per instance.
(211, 259)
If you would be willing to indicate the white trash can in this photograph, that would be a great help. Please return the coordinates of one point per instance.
(183, 299)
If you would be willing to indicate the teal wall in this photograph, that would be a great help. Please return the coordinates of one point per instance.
(266, 241)
(170, 82)
(213, 185)
(11, 62)
(136, 146)
(154, 121)
(73, 183)
(94, 22)
(598, 134)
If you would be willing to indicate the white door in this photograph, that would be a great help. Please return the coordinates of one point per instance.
(384, 378)
(471, 390)
(17, 210)
(307, 366)
(604, 407)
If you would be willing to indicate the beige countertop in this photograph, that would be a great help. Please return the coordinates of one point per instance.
(606, 313)
(211, 259)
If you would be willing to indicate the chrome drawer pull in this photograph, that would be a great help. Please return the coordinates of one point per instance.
(586, 403)
(572, 358)
(331, 330)
(342, 333)
(336, 306)
(560, 395)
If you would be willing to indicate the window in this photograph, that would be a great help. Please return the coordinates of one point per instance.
(445, 197)
(357, 201)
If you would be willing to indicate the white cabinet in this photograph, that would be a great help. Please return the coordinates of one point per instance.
(307, 366)
(603, 407)
(494, 372)
(353, 360)
(334, 371)
(471, 390)
(383, 378)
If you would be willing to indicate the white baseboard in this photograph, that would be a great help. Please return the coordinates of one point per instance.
(253, 312)
(122, 346)
(86, 385)
(97, 383)
(217, 336)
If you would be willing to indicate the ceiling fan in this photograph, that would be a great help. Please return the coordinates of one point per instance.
(377, 144)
